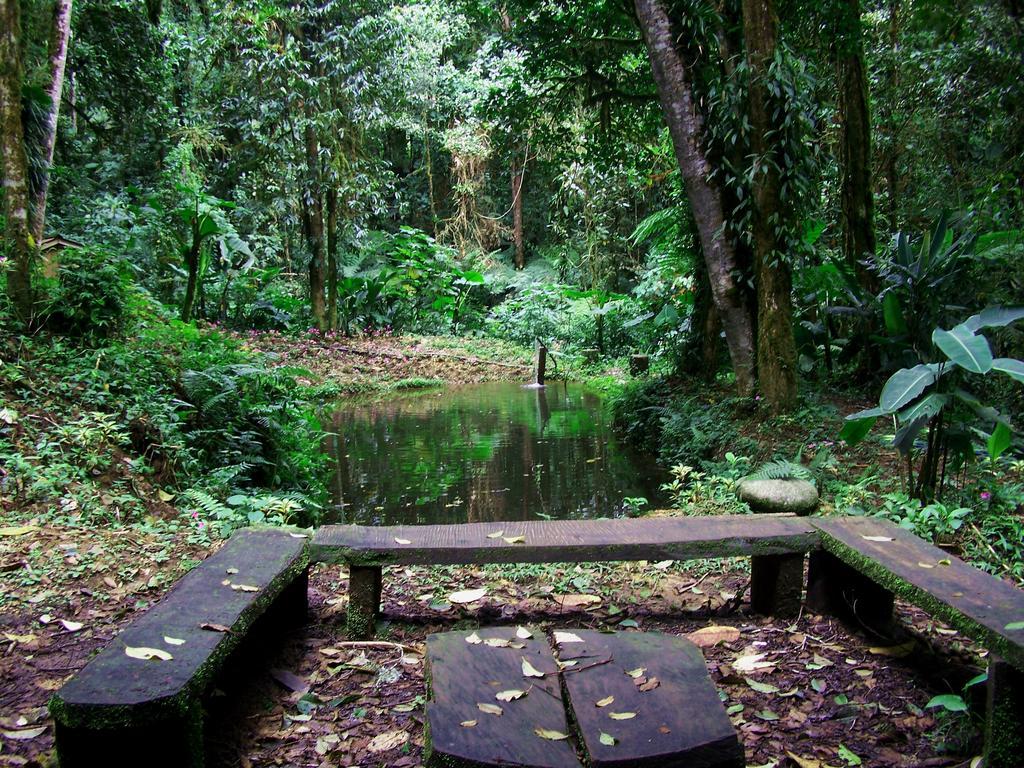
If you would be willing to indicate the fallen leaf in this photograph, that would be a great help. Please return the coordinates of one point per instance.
(110, 582)
(245, 588)
(18, 530)
(895, 651)
(766, 714)
(664, 564)
(495, 535)
(164, 495)
(71, 626)
(490, 709)
(514, 539)
(878, 538)
(402, 541)
(850, 757)
(474, 639)
(523, 633)
(945, 561)
(751, 663)
(664, 729)
(567, 637)
(214, 627)
(803, 762)
(576, 601)
(925, 565)
(497, 642)
(566, 664)
(147, 654)
(605, 701)
(529, 670)
(650, 685)
(550, 735)
(468, 723)
(467, 595)
(19, 638)
(26, 733)
(299, 535)
(818, 684)
(622, 715)
(510, 695)
(173, 640)
(635, 673)
(761, 687)
(708, 637)
(607, 739)
(382, 742)
(1014, 626)
(231, 571)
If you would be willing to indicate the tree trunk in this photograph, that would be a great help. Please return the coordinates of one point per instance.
(59, 36)
(15, 166)
(332, 258)
(314, 208)
(192, 265)
(856, 199)
(686, 127)
(518, 169)
(776, 348)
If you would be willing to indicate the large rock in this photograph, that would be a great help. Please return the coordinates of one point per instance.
(796, 496)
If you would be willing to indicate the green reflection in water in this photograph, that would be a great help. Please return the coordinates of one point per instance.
(482, 453)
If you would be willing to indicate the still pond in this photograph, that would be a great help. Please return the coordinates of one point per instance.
(483, 453)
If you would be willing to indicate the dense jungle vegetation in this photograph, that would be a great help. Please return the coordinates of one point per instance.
(797, 210)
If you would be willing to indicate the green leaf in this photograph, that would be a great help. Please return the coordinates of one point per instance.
(928, 406)
(1014, 626)
(608, 740)
(470, 276)
(964, 348)
(904, 385)
(994, 317)
(855, 431)
(907, 434)
(998, 441)
(667, 316)
(892, 312)
(850, 757)
(761, 687)
(949, 702)
(1012, 368)
(818, 684)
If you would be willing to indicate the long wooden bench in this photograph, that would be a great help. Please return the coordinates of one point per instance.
(776, 543)
(865, 563)
(122, 710)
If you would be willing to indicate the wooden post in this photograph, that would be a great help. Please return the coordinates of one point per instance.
(834, 588)
(540, 364)
(364, 589)
(1004, 715)
(639, 364)
(777, 584)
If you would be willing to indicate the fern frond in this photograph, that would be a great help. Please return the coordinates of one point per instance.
(781, 470)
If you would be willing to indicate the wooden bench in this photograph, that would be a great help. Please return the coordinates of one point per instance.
(776, 543)
(865, 563)
(125, 711)
(626, 699)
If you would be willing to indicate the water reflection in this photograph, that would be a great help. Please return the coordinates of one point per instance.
(482, 453)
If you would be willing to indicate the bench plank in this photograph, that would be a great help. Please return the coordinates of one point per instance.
(546, 541)
(974, 602)
(461, 674)
(680, 722)
(117, 691)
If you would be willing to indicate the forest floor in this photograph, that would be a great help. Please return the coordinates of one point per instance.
(827, 697)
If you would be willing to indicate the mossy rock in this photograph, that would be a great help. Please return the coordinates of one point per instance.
(794, 496)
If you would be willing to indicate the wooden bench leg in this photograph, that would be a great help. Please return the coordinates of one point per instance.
(364, 588)
(835, 588)
(1004, 715)
(777, 584)
(164, 743)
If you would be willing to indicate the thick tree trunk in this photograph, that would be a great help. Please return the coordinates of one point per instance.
(776, 348)
(332, 258)
(857, 205)
(192, 265)
(687, 130)
(314, 217)
(518, 169)
(59, 36)
(15, 167)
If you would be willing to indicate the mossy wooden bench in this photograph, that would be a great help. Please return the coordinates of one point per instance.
(865, 563)
(615, 699)
(125, 711)
(776, 543)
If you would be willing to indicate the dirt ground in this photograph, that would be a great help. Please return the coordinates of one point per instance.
(810, 693)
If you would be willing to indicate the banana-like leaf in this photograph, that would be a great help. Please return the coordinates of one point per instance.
(907, 434)
(895, 325)
(928, 406)
(994, 317)
(964, 348)
(1012, 368)
(855, 431)
(904, 385)
(999, 440)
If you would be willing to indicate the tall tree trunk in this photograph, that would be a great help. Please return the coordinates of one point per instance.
(518, 169)
(776, 348)
(314, 209)
(685, 124)
(15, 166)
(192, 265)
(59, 36)
(891, 160)
(857, 205)
(332, 257)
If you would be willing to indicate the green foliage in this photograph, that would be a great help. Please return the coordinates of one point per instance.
(90, 295)
(781, 470)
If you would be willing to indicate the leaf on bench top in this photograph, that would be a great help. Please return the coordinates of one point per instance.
(473, 639)
(567, 637)
(245, 588)
(496, 534)
(147, 654)
(550, 735)
(604, 702)
(214, 627)
(622, 715)
(635, 673)
(490, 709)
(510, 695)
(468, 723)
(608, 740)
(497, 642)
(523, 633)
(467, 595)
(402, 541)
(529, 670)
(878, 538)
(514, 539)
(173, 640)
(1014, 626)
